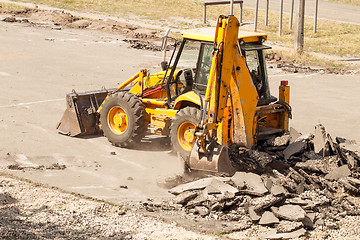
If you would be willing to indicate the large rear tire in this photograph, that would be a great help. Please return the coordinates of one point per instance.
(123, 119)
(181, 134)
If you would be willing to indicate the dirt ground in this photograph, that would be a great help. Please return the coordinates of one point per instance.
(41, 61)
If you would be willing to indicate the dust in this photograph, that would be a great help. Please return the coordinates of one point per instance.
(155, 143)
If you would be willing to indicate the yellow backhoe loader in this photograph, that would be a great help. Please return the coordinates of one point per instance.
(213, 92)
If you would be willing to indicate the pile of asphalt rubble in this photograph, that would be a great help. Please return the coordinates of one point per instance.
(292, 183)
(292, 66)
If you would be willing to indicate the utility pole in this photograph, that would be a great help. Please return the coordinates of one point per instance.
(291, 14)
(315, 14)
(299, 28)
(267, 13)
(281, 16)
(256, 15)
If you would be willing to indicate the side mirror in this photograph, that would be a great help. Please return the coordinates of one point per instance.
(164, 65)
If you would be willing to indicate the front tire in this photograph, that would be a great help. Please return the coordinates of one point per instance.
(123, 119)
(181, 131)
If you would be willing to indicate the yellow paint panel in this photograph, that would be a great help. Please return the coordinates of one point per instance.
(160, 120)
(189, 97)
(209, 35)
(284, 95)
(244, 99)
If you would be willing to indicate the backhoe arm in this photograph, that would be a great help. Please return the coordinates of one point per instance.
(230, 90)
(222, 67)
(229, 76)
(217, 90)
(244, 98)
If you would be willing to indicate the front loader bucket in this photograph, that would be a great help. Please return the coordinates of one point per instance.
(216, 161)
(80, 117)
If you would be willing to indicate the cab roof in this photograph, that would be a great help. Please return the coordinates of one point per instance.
(208, 35)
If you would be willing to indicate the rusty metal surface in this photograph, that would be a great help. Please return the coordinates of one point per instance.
(80, 116)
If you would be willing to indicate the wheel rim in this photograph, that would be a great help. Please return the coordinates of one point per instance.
(186, 135)
(117, 120)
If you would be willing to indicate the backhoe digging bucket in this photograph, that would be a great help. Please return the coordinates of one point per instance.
(80, 117)
(216, 161)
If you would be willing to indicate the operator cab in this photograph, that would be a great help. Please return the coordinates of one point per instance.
(191, 66)
(194, 62)
(255, 61)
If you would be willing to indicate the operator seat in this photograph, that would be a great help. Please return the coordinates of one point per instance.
(189, 80)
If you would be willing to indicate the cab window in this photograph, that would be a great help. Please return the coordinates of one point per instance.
(255, 61)
(193, 65)
(203, 67)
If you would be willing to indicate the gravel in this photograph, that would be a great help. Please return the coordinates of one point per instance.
(33, 211)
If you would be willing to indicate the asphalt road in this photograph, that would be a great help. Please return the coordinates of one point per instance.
(38, 66)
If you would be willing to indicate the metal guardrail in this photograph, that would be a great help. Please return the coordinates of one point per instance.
(240, 2)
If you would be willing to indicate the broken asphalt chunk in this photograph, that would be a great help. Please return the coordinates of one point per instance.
(348, 186)
(221, 187)
(278, 141)
(264, 202)
(262, 158)
(277, 189)
(253, 183)
(338, 173)
(196, 185)
(318, 165)
(307, 222)
(185, 197)
(288, 226)
(253, 215)
(351, 147)
(294, 134)
(294, 149)
(201, 210)
(291, 212)
(212, 190)
(268, 218)
(321, 141)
